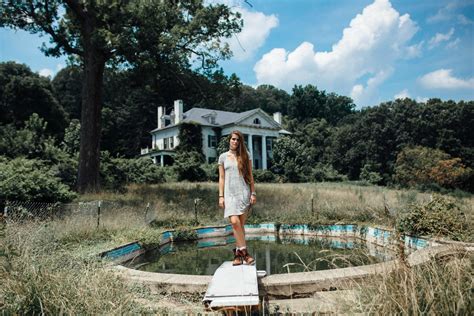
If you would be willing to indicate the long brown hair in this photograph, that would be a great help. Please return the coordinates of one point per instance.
(243, 161)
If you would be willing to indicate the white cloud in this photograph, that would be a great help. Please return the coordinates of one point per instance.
(368, 48)
(453, 44)
(257, 27)
(464, 20)
(442, 79)
(45, 72)
(402, 94)
(440, 37)
(448, 12)
(422, 99)
(364, 94)
(59, 67)
(414, 50)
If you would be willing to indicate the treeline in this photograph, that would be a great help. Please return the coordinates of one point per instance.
(401, 142)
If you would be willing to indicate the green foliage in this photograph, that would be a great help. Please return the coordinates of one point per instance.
(23, 93)
(308, 102)
(31, 180)
(368, 175)
(190, 137)
(30, 141)
(326, 172)
(423, 167)
(67, 88)
(290, 160)
(440, 217)
(261, 176)
(223, 145)
(189, 157)
(377, 134)
(212, 171)
(188, 166)
(72, 137)
(116, 173)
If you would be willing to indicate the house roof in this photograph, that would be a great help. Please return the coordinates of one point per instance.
(222, 118)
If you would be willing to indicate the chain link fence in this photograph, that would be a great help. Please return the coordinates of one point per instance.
(95, 212)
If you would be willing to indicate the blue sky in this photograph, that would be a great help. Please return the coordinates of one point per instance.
(371, 50)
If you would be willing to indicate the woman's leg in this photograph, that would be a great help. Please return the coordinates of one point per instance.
(243, 219)
(237, 229)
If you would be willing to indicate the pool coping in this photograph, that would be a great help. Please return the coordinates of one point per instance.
(292, 284)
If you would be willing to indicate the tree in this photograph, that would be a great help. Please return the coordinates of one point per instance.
(308, 102)
(23, 92)
(121, 32)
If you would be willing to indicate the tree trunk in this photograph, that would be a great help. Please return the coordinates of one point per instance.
(89, 154)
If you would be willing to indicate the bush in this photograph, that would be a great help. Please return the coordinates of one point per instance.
(324, 172)
(24, 179)
(439, 217)
(260, 176)
(426, 167)
(118, 172)
(187, 165)
(212, 171)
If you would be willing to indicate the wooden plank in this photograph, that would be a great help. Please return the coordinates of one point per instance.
(233, 286)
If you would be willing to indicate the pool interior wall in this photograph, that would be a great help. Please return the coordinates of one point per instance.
(294, 284)
(373, 235)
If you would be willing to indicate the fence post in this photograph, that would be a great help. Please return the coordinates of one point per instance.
(312, 204)
(147, 209)
(98, 213)
(196, 201)
(5, 211)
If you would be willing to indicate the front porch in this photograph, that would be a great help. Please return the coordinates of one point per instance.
(161, 157)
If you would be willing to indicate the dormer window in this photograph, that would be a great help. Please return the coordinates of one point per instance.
(257, 121)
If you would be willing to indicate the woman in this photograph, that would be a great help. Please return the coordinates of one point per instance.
(237, 192)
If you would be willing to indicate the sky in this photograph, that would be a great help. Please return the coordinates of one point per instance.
(371, 50)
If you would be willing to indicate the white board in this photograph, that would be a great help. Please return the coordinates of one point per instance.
(233, 286)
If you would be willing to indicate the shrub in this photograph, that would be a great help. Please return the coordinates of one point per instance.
(260, 176)
(325, 172)
(212, 171)
(187, 166)
(427, 167)
(118, 172)
(439, 217)
(24, 179)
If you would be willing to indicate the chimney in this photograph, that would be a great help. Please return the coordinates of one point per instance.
(178, 111)
(160, 114)
(277, 117)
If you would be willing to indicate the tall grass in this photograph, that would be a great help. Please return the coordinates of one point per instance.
(53, 268)
(286, 203)
(438, 287)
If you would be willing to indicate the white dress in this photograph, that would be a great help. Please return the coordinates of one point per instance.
(236, 190)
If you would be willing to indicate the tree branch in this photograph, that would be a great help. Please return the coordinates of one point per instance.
(47, 27)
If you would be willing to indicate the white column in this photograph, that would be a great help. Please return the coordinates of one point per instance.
(264, 152)
(251, 148)
(162, 160)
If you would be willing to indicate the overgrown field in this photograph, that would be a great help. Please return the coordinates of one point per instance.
(52, 266)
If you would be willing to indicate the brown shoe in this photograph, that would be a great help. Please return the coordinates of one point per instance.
(246, 257)
(237, 257)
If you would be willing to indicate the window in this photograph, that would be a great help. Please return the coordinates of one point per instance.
(171, 142)
(256, 121)
(166, 143)
(270, 143)
(211, 141)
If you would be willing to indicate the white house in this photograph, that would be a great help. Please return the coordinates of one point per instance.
(260, 131)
